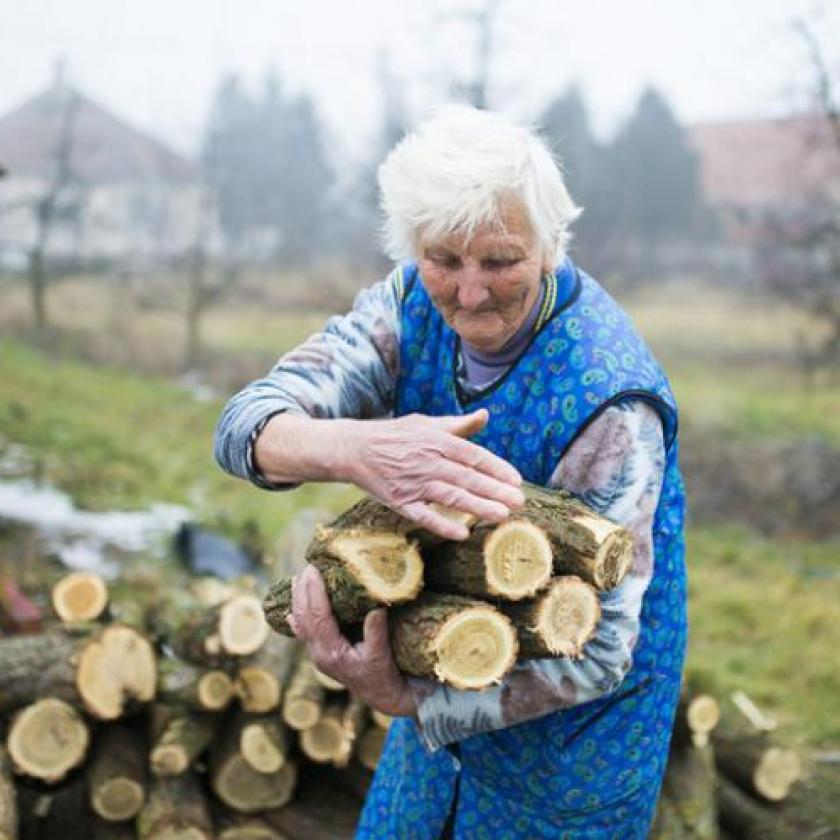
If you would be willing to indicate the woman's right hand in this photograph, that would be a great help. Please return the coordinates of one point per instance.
(414, 461)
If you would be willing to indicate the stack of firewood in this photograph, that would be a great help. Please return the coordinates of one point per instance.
(726, 775)
(464, 612)
(167, 712)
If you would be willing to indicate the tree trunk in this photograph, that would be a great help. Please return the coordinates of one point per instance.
(743, 817)
(369, 746)
(689, 789)
(326, 741)
(756, 766)
(80, 596)
(558, 622)
(38, 291)
(117, 775)
(260, 680)
(463, 642)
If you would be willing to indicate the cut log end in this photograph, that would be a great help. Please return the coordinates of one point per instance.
(475, 648)
(119, 799)
(47, 739)
(260, 750)
(328, 682)
(702, 714)
(168, 760)
(242, 788)
(386, 564)
(242, 625)
(214, 690)
(369, 746)
(258, 689)
(567, 617)
(518, 559)
(115, 667)
(81, 596)
(325, 741)
(777, 770)
(615, 554)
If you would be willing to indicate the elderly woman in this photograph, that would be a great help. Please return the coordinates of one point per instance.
(485, 358)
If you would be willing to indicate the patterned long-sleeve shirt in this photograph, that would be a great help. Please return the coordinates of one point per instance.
(615, 465)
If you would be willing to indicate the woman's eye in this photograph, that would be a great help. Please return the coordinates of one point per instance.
(447, 261)
(498, 264)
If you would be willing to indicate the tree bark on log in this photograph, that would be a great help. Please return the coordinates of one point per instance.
(181, 738)
(183, 684)
(460, 641)
(689, 789)
(369, 746)
(260, 680)
(99, 671)
(116, 776)
(745, 818)
(210, 635)
(585, 544)
(8, 800)
(361, 569)
(558, 622)
(756, 765)
(175, 808)
(47, 739)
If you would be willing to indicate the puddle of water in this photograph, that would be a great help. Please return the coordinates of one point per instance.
(86, 539)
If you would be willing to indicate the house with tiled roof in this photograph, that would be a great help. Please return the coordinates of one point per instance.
(119, 193)
(752, 167)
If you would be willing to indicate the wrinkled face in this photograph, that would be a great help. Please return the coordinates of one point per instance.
(485, 287)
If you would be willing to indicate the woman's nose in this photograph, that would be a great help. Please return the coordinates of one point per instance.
(473, 291)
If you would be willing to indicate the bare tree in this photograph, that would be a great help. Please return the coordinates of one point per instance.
(799, 247)
(50, 208)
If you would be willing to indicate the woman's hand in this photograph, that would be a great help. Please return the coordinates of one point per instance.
(366, 669)
(414, 461)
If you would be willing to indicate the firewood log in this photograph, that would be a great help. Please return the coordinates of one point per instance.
(260, 680)
(457, 640)
(369, 746)
(80, 596)
(558, 622)
(743, 817)
(116, 776)
(210, 635)
(47, 739)
(99, 671)
(181, 683)
(689, 791)
(241, 787)
(264, 741)
(179, 737)
(326, 741)
(304, 699)
(756, 765)
(8, 800)
(176, 808)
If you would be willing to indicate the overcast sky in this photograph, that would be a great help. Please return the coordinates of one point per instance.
(156, 62)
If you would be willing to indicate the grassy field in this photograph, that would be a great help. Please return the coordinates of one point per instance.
(765, 613)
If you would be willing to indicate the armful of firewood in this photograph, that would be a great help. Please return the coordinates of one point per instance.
(616, 467)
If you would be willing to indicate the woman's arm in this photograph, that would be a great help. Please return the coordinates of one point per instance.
(616, 466)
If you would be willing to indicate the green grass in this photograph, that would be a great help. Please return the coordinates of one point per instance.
(116, 440)
(765, 618)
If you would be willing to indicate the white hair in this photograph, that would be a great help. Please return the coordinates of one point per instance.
(453, 173)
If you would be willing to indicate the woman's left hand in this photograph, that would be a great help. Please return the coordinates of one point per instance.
(366, 669)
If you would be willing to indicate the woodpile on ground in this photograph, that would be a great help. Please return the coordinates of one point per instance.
(729, 777)
(464, 612)
(167, 710)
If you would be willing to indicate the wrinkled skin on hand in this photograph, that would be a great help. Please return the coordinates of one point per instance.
(366, 669)
(414, 461)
